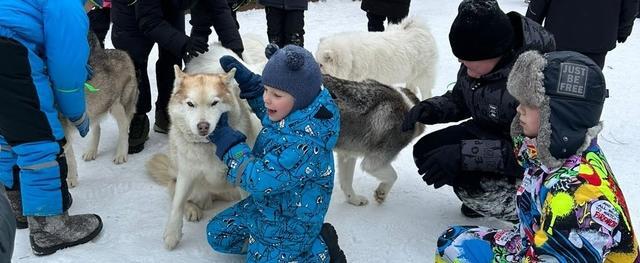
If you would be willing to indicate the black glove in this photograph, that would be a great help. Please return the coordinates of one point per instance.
(414, 114)
(194, 46)
(440, 166)
(622, 39)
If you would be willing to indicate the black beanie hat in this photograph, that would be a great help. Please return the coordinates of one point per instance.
(480, 31)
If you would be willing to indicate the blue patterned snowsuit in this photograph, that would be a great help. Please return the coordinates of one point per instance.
(44, 53)
(289, 175)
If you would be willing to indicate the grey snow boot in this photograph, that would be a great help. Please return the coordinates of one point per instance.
(49, 234)
(16, 206)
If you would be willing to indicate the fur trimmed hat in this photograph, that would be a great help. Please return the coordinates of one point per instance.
(480, 31)
(294, 70)
(569, 89)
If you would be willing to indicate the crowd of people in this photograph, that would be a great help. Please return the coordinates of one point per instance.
(530, 92)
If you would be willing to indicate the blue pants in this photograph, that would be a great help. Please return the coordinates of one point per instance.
(231, 232)
(31, 136)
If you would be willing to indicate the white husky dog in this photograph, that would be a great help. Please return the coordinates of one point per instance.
(405, 53)
(191, 170)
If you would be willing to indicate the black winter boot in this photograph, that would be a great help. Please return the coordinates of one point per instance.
(273, 39)
(161, 124)
(330, 237)
(16, 206)
(296, 39)
(138, 132)
(49, 234)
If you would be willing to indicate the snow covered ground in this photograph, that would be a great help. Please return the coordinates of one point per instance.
(404, 229)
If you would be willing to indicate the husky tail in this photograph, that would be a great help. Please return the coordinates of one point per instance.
(159, 168)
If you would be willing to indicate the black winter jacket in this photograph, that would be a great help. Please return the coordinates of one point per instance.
(388, 8)
(150, 15)
(286, 4)
(486, 100)
(590, 26)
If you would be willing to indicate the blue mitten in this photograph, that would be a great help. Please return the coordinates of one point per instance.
(225, 137)
(250, 83)
(270, 49)
(82, 124)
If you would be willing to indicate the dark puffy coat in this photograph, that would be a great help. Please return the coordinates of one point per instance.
(486, 100)
(286, 4)
(151, 14)
(388, 8)
(590, 26)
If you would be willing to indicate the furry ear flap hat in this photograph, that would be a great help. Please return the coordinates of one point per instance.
(569, 89)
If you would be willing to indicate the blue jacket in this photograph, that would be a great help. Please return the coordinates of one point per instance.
(289, 173)
(55, 34)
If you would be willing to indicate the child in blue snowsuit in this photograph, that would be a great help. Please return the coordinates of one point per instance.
(289, 172)
(44, 51)
(569, 204)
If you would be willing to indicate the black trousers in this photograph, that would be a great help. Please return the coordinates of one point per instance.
(491, 194)
(99, 22)
(598, 58)
(285, 26)
(376, 22)
(126, 36)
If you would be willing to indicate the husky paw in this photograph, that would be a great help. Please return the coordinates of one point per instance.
(72, 181)
(192, 212)
(89, 155)
(120, 159)
(357, 200)
(380, 195)
(171, 239)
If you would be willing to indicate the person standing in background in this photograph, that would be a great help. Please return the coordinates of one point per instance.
(380, 10)
(590, 27)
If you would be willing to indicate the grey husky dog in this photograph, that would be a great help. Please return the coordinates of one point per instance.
(371, 115)
(114, 78)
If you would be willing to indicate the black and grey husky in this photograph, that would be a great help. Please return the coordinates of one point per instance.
(371, 115)
(116, 92)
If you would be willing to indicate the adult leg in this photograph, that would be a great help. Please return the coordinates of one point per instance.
(275, 25)
(165, 76)
(126, 36)
(7, 228)
(294, 27)
(598, 58)
(375, 23)
(99, 22)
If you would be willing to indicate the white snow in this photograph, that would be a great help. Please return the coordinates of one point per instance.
(403, 229)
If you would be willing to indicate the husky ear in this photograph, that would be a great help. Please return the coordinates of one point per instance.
(178, 71)
(229, 76)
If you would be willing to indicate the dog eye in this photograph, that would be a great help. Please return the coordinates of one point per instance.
(190, 104)
(214, 103)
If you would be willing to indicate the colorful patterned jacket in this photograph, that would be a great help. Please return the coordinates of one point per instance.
(574, 213)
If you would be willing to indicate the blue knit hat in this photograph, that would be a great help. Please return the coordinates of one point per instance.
(294, 70)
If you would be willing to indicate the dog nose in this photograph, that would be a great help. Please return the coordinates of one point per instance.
(203, 128)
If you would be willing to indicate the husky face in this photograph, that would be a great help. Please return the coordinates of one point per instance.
(198, 101)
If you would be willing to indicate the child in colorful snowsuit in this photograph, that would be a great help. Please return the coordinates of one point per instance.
(289, 172)
(569, 204)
